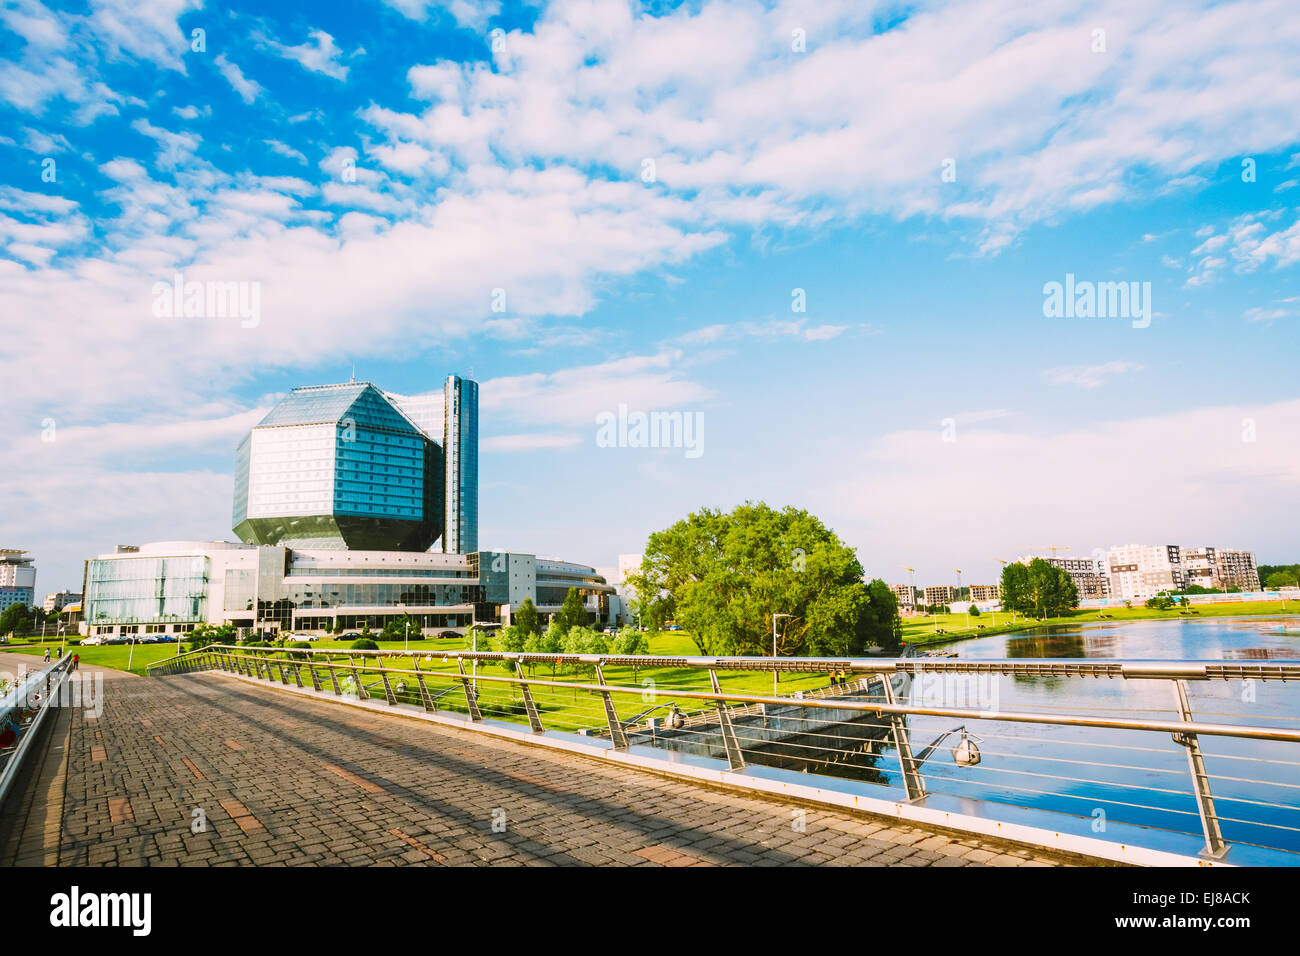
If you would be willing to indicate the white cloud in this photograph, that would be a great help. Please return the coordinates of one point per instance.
(574, 397)
(148, 31)
(1193, 476)
(529, 442)
(320, 54)
(1090, 376)
(247, 89)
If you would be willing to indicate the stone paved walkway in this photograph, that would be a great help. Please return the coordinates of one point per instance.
(284, 780)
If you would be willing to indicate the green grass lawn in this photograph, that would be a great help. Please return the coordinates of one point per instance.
(114, 656)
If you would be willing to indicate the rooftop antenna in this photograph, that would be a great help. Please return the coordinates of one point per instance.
(354, 373)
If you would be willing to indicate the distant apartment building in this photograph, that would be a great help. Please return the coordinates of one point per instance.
(17, 578)
(985, 592)
(1237, 569)
(1138, 572)
(1090, 576)
(905, 593)
(940, 594)
(56, 602)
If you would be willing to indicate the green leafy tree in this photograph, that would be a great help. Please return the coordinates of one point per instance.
(16, 619)
(724, 575)
(513, 638)
(1038, 589)
(397, 629)
(886, 627)
(630, 642)
(572, 613)
(526, 618)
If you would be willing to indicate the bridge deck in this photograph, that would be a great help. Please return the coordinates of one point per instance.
(284, 780)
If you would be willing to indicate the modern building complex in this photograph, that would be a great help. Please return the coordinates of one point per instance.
(54, 603)
(17, 578)
(169, 587)
(1088, 574)
(340, 493)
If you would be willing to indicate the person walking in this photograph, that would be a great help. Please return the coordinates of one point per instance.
(47, 655)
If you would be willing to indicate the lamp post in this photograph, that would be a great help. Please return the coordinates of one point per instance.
(775, 673)
(958, 570)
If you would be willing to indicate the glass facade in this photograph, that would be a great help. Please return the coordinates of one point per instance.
(338, 467)
(460, 450)
(147, 589)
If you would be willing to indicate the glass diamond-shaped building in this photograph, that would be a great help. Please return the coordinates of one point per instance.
(339, 467)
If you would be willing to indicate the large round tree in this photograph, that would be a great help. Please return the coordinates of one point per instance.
(723, 576)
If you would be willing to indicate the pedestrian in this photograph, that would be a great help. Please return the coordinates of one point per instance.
(76, 659)
(47, 655)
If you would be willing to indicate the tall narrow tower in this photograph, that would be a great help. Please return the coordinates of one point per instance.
(460, 444)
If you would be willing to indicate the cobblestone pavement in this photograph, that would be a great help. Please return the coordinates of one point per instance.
(284, 780)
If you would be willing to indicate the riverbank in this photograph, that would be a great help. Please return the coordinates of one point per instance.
(955, 627)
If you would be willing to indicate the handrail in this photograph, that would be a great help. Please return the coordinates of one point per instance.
(823, 716)
(19, 699)
(874, 707)
(1054, 667)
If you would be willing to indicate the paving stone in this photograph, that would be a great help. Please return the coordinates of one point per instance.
(286, 779)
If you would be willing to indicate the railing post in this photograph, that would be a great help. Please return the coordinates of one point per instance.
(388, 689)
(356, 676)
(425, 699)
(530, 706)
(334, 678)
(735, 757)
(279, 666)
(1214, 845)
(297, 671)
(912, 782)
(315, 680)
(616, 734)
(471, 695)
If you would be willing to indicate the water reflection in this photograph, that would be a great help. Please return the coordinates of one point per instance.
(1130, 776)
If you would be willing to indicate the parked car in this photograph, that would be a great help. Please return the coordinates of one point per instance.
(349, 636)
(450, 634)
(303, 637)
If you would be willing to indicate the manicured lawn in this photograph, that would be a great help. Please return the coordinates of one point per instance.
(114, 656)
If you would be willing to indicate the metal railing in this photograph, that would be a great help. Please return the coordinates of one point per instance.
(863, 724)
(22, 711)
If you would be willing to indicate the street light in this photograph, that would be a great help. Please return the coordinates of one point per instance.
(775, 673)
(958, 570)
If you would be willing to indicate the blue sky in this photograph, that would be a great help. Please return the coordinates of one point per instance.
(380, 169)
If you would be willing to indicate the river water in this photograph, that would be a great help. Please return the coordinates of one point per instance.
(1124, 776)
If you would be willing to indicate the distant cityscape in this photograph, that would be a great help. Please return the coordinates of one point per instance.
(1132, 572)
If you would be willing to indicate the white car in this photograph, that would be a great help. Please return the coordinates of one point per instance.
(303, 637)
(91, 641)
